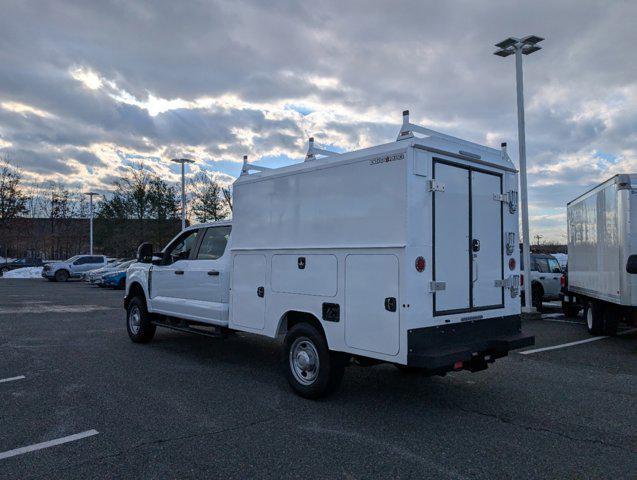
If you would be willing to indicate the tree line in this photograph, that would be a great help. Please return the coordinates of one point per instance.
(141, 206)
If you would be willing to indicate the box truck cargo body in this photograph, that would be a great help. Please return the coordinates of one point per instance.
(404, 253)
(602, 237)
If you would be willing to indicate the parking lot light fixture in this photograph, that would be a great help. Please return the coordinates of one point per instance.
(519, 47)
(183, 162)
(90, 213)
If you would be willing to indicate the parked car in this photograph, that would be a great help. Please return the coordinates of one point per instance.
(402, 285)
(20, 263)
(74, 267)
(94, 277)
(546, 275)
(116, 277)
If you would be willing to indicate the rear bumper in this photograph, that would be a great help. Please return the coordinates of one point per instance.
(441, 349)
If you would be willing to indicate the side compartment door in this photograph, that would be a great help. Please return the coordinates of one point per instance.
(486, 244)
(248, 291)
(451, 239)
(372, 316)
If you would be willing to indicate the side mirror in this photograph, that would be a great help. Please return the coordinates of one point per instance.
(631, 264)
(145, 252)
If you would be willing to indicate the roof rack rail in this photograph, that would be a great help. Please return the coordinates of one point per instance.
(247, 167)
(407, 130)
(313, 151)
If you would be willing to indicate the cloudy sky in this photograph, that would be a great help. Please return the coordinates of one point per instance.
(87, 88)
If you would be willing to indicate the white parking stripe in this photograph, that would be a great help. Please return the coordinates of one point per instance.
(50, 443)
(570, 344)
(11, 379)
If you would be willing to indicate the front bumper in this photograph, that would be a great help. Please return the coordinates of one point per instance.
(467, 345)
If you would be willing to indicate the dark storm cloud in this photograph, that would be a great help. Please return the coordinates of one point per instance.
(369, 59)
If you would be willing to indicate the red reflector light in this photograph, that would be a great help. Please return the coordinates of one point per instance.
(420, 264)
(458, 365)
(512, 264)
(563, 280)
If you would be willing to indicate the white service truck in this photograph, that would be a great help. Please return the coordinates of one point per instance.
(404, 253)
(602, 242)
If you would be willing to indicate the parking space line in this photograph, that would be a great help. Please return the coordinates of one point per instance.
(557, 320)
(571, 344)
(11, 379)
(50, 443)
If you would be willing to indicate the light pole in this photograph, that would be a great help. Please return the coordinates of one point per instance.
(183, 162)
(519, 47)
(90, 212)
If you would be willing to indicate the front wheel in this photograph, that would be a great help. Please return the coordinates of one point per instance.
(138, 323)
(311, 369)
(61, 276)
(594, 316)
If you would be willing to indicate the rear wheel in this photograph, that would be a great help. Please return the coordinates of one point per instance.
(138, 321)
(593, 314)
(61, 276)
(311, 369)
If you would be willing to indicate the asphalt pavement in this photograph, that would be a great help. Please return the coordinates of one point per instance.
(184, 406)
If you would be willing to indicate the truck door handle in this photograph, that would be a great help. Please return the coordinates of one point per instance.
(213, 273)
(390, 304)
(260, 292)
(542, 278)
(179, 272)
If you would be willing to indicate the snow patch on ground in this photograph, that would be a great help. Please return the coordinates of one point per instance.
(27, 272)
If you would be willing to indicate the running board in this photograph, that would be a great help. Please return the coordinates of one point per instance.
(214, 332)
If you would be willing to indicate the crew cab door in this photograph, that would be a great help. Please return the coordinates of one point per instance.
(167, 281)
(207, 277)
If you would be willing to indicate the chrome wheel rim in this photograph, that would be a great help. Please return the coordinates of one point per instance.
(134, 320)
(304, 361)
(589, 318)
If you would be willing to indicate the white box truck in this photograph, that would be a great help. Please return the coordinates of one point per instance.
(404, 253)
(602, 237)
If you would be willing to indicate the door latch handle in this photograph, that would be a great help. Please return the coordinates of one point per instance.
(475, 245)
(213, 273)
(260, 292)
(179, 272)
(390, 304)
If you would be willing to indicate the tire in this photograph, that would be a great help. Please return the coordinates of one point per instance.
(138, 321)
(536, 297)
(570, 309)
(311, 369)
(61, 276)
(593, 314)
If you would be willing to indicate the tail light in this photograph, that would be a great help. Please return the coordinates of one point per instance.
(563, 280)
(521, 280)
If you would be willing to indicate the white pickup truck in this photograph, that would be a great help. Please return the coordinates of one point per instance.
(405, 253)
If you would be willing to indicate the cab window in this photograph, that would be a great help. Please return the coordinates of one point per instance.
(554, 266)
(213, 243)
(542, 265)
(181, 248)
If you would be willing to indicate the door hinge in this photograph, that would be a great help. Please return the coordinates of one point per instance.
(501, 197)
(510, 198)
(437, 286)
(435, 186)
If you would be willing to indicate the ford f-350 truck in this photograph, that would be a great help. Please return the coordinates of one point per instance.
(404, 253)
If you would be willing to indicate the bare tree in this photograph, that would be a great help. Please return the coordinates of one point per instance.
(227, 197)
(208, 198)
(12, 199)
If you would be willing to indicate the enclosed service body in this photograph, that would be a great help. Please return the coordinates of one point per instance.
(344, 234)
(602, 236)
